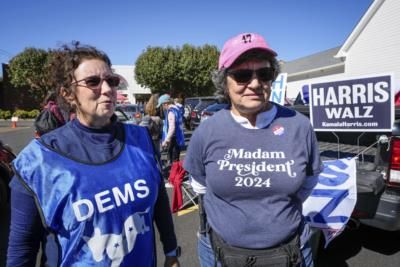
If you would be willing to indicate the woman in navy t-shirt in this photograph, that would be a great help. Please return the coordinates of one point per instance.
(254, 163)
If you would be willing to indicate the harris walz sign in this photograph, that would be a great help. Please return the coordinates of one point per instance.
(359, 104)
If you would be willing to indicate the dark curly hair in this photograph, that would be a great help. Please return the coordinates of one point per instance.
(62, 65)
(218, 77)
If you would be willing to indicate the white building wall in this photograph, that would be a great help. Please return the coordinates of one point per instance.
(377, 48)
(128, 72)
(293, 88)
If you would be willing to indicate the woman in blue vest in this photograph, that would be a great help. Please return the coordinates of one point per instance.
(93, 183)
(254, 163)
(173, 138)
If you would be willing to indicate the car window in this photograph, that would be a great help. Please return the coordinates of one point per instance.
(216, 107)
(192, 102)
(130, 108)
(121, 116)
(205, 102)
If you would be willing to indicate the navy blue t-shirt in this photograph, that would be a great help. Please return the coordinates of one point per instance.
(252, 176)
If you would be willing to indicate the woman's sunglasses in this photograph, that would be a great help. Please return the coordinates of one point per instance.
(243, 76)
(95, 82)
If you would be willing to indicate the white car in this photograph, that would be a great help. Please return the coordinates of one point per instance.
(131, 110)
(122, 117)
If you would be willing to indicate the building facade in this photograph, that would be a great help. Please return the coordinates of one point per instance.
(129, 88)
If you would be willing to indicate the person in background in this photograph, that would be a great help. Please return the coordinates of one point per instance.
(253, 164)
(173, 138)
(179, 104)
(152, 121)
(94, 182)
(50, 116)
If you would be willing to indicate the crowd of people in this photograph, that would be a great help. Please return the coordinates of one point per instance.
(89, 189)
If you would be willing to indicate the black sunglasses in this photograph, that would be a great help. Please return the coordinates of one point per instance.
(94, 82)
(243, 76)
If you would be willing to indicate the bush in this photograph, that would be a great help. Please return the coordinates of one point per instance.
(22, 114)
(5, 114)
(33, 113)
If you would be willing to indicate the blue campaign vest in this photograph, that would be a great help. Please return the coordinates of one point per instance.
(180, 137)
(181, 110)
(102, 214)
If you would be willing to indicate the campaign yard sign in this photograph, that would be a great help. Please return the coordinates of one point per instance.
(278, 89)
(358, 104)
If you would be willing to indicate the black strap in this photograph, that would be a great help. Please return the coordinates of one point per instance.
(204, 228)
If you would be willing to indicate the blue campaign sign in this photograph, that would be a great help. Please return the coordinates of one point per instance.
(358, 104)
(279, 89)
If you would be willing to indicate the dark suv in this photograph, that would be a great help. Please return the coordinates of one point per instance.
(188, 106)
(193, 108)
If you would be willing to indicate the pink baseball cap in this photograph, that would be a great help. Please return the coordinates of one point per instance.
(236, 46)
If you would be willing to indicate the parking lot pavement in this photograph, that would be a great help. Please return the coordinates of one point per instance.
(186, 224)
(6, 126)
(9, 129)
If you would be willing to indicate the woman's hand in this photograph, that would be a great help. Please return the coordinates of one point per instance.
(171, 261)
(165, 145)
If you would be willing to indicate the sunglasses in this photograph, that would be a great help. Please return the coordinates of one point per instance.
(95, 82)
(244, 76)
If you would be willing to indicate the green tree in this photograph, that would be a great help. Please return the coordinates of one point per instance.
(208, 61)
(155, 69)
(28, 70)
(178, 71)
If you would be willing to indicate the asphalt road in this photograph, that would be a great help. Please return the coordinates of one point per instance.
(363, 247)
(18, 137)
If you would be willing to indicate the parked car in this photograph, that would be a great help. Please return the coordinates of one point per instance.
(189, 104)
(195, 112)
(211, 109)
(6, 173)
(131, 110)
(123, 117)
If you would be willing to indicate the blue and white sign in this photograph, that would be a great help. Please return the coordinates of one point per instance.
(304, 92)
(278, 90)
(359, 104)
(332, 201)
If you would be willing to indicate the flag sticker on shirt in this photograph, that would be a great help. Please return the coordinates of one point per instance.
(278, 130)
